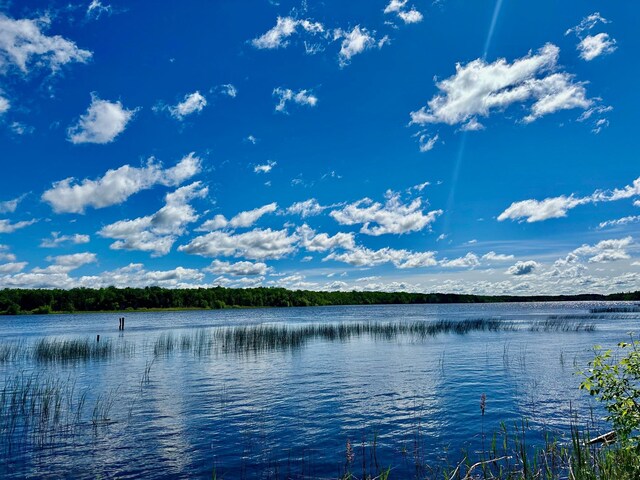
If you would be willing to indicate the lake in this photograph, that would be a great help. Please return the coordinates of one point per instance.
(191, 395)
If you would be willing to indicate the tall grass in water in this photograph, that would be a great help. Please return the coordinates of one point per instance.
(34, 408)
(12, 351)
(65, 350)
(256, 338)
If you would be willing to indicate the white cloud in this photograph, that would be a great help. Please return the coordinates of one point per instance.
(427, 143)
(73, 261)
(322, 242)
(301, 97)
(6, 256)
(470, 260)
(9, 206)
(257, 244)
(56, 240)
(605, 251)
(12, 268)
(365, 257)
(116, 186)
(229, 90)
(355, 42)
(96, 9)
(265, 168)
(479, 89)
(23, 45)
(192, 103)
(523, 268)
(7, 227)
(241, 220)
(251, 139)
(4, 105)
(411, 16)
(557, 207)
(285, 27)
(158, 232)
(587, 23)
(536, 211)
(237, 269)
(399, 7)
(593, 46)
(392, 217)
(620, 221)
(636, 203)
(308, 208)
(496, 257)
(102, 123)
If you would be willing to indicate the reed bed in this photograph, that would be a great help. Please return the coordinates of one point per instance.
(258, 338)
(66, 350)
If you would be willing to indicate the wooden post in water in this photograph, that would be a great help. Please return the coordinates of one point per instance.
(123, 323)
(98, 339)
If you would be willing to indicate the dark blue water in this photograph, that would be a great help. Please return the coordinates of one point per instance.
(279, 414)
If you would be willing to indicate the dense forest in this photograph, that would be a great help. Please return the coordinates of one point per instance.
(22, 301)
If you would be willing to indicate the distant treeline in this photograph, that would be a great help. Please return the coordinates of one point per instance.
(21, 301)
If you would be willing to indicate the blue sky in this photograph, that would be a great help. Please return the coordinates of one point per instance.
(479, 147)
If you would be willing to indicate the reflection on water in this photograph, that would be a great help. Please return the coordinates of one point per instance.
(273, 413)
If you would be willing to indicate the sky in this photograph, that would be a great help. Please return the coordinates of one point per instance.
(485, 147)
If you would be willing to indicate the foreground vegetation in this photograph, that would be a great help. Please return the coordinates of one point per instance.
(21, 301)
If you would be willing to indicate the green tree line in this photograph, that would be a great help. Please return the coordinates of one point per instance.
(24, 301)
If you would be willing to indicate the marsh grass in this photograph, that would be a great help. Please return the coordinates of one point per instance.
(265, 337)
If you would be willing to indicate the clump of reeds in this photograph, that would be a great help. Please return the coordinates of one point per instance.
(561, 325)
(12, 351)
(65, 350)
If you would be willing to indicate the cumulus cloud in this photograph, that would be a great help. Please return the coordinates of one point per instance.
(557, 207)
(523, 268)
(257, 244)
(24, 45)
(301, 97)
(102, 122)
(192, 103)
(285, 27)
(116, 186)
(407, 15)
(264, 168)
(355, 42)
(237, 269)
(241, 220)
(12, 268)
(321, 242)
(5, 255)
(605, 251)
(7, 227)
(392, 217)
(158, 232)
(365, 257)
(496, 257)
(479, 89)
(9, 206)
(56, 240)
(470, 260)
(593, 46)
(308, 208)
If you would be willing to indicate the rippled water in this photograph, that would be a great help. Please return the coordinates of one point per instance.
(271, 414)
